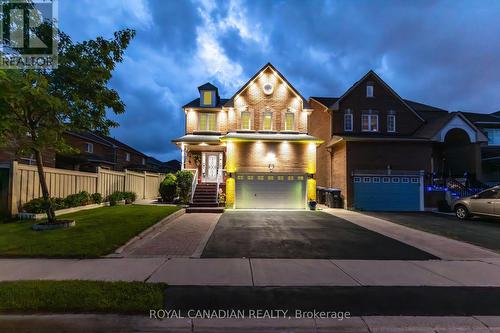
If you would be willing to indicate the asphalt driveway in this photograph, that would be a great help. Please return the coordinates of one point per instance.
(481, 232)
(301, 234)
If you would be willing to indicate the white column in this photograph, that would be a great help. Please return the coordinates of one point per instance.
(183, 155)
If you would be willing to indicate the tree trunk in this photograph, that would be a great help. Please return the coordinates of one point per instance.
(51, 216)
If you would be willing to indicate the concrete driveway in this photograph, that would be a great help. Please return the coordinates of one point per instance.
(301, 234)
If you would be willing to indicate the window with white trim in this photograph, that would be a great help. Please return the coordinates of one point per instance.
(267, 121)
(143, 161)
(369, 89)
(246, 121)
(89, 147)
(207, 122)
(127, 157)
(391, 123)
(369, 122)
(289, 121)
(348, 121)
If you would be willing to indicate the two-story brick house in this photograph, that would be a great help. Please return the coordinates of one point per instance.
(256, 142)
(380, 149)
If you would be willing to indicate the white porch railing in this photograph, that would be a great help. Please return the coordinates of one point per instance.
(193, 183)
(220, 179)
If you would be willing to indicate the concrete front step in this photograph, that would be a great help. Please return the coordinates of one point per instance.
(205, 210)
(204, 204)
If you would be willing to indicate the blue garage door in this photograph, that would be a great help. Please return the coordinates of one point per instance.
(387, 193)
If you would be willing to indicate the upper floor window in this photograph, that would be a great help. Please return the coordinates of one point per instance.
(391, 123)
(493, 135)
(348, 121)
(207, 97)
(143, 161)
(289, 121)
(369, 122)
(246, 123)
(127, 157)
(207, 122)
(267, 121)
(369, 89)
(89, 147)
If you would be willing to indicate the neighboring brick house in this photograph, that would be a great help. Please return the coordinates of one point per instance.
(93, 151)
(258, 138)
(490, 152)
(380, 149)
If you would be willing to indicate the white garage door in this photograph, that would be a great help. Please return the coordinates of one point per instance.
(271, 190)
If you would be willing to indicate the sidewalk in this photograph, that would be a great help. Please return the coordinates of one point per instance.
(121, 323)
(260, 272)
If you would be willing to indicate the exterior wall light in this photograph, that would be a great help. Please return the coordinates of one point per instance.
(271, 167)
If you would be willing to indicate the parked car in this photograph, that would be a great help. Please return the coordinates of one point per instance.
(485, 203)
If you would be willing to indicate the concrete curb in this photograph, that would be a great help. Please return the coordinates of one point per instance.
(127, 323)
(148, 232)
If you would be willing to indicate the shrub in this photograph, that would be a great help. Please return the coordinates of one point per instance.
(78, 199)
(184, 181)
(39, 205)
(168, 188)
(96, 198)
(129, 196)
(114, 197)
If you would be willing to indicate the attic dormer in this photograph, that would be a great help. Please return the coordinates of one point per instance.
(209, 95)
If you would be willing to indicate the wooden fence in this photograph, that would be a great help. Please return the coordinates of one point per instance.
(25, 184)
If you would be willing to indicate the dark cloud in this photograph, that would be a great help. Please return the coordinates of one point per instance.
(443, 53)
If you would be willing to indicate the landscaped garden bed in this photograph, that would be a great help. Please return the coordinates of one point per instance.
(35, 209)
(97, 232)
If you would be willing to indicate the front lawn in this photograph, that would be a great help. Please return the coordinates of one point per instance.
(97, 232)
(80, 296)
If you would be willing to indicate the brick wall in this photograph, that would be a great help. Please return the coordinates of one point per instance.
(319, 126)
(289, 157)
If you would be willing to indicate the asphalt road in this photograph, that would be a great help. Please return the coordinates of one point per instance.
(301, 234)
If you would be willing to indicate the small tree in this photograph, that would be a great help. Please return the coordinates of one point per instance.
(184, 182)
(168, 188)
(38, 106)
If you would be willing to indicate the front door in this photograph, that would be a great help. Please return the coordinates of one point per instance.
(211, 165)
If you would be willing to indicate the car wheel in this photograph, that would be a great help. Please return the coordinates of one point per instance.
(461, 212)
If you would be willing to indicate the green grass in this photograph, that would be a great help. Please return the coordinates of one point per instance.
(97, 232)
(80, 296)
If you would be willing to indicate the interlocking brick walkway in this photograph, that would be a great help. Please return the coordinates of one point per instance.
(179, 238)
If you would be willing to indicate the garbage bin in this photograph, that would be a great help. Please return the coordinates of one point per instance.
(321, 195)
(333, 198)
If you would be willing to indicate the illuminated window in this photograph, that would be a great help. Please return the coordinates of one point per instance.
(245, 120)
(369, 122)
(300, 177)
(391, 123)
(267, 121)
(240, 177)
(270, 177)
(207, 122)
(281, 178)
(260, 177)
(290, 177)
(289, 121)
(249, 177)
(207, 98)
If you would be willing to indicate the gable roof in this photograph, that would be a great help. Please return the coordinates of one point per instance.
(230, 102)
(123, 146)
(207, 86)
(335, 106)
(325, 101)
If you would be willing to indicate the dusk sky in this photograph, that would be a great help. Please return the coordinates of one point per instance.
(442, 53)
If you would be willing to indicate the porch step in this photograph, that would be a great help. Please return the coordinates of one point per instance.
(205, 210)
(204, 204)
